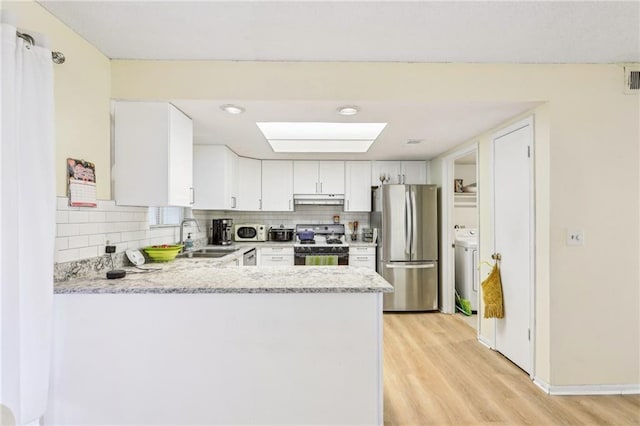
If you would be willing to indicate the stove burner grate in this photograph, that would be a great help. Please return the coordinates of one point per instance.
(334, 241)
(307, 241)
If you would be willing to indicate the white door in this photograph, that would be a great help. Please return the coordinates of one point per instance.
(513, 234)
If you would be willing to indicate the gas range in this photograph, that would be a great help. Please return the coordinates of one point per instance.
(324, 235)
(328, 240)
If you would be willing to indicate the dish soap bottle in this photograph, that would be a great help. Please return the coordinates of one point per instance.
(188, 244)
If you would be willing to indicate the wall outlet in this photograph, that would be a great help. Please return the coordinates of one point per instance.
(575, 237)
(109, 249)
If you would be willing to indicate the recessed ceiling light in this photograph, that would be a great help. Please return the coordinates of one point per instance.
(414, 141)
(232, 109)
(348, 110)
(320, 137)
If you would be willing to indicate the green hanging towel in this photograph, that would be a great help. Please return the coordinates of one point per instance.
(312, 260)
(492, 294)
(321, 260)
(331, 260)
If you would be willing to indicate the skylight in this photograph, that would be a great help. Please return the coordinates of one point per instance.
(320, 137)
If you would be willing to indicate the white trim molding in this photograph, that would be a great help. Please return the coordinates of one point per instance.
(587, 389)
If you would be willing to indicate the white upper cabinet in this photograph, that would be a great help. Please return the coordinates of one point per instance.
(277, 185)
(389, 169)
(249, 184)
(407, 172)
(357, 186)
(215, 178)
(414, 172)
(318, 177)
(153, 155)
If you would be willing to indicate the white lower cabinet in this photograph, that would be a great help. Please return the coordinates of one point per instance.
(362, 257)
(275, 256)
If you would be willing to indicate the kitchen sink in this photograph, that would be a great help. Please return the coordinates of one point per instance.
(208, 252)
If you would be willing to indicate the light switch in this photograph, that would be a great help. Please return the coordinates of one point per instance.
(575, 237)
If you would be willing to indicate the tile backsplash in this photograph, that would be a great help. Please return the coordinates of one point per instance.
(82, 233)
(303, 214)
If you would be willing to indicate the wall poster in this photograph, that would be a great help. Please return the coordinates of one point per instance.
(82, 183)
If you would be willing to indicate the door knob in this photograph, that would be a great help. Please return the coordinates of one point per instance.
(496, 256)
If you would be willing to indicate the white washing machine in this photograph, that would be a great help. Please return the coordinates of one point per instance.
(466, 265)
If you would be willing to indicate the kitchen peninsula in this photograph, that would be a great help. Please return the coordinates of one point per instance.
(201, 343)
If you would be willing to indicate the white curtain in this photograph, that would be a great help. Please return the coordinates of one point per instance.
(27, 218)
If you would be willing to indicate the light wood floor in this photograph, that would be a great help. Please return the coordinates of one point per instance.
(437, 373)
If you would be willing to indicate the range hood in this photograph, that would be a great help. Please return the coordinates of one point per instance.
(319, 199)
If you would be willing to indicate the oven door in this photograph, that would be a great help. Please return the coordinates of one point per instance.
(323, 259)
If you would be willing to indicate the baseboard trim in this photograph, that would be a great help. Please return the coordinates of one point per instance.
(485, 342)
(588, 389)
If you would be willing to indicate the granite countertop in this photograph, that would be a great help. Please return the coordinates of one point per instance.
(206, 275)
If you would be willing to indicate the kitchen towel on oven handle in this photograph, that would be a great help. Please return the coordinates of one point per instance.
(321, 260)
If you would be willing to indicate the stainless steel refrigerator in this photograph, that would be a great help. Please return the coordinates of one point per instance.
(407, 254)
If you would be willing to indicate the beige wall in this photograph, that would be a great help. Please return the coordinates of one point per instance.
(585, 142)
(82, 92)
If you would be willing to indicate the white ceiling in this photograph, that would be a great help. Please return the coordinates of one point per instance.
(384, 31)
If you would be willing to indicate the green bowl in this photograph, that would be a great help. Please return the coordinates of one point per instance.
(163, 253)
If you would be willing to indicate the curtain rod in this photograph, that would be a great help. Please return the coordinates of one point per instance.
(56, 57)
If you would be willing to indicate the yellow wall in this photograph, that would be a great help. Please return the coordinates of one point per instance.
(82, 88)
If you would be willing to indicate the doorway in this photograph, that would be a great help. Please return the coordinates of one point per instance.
(459, 208)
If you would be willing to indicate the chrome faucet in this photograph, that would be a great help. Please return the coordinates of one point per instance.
(182, 228)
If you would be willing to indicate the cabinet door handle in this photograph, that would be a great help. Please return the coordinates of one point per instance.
(399, 180)
(403, 179)
(317, 188)
(260, 204)
(290, 205)
(193, 195)
(362, 257)
(277, 258)
(321, 187)
(233, 202)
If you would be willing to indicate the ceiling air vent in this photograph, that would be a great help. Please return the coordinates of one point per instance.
(632, 79)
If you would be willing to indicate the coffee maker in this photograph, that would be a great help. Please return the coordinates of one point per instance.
(221, 232)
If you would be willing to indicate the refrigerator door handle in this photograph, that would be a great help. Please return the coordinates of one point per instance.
(407, 223)
(414, 220)
(410, 266)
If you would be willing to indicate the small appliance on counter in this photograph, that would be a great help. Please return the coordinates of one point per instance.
(221, 232)
(367, 235)
(250, 232)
